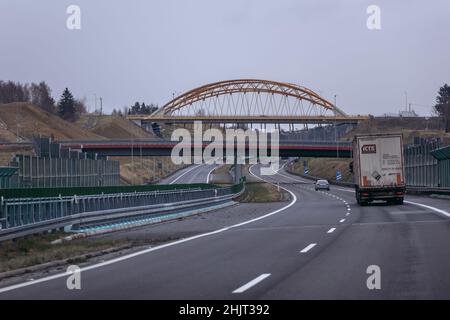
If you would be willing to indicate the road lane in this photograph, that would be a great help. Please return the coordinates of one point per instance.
(411, 249)
(211, 268)
(193, 174)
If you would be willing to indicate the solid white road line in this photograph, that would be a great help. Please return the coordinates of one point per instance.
(445, 213)
(309, 247)
(252, 283)
(410, 212)
(346, 190)
(187, 171)
(209, 174)
(138, 253)
(331, 230)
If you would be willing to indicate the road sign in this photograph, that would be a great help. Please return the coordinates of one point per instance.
(306, 170)
(338, 175)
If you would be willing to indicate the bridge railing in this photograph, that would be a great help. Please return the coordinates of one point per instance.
(34, 214)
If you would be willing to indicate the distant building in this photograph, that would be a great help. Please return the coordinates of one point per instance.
(408, 114)
(401, 113)
(390, 115)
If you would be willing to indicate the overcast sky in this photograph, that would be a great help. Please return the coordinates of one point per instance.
(146, 50)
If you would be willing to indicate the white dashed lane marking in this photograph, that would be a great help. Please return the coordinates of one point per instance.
(252, 283)
(309, 247)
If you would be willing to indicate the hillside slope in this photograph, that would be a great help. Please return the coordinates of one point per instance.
(26, 120)
(409, 127)
(112, 127)
(19, 121)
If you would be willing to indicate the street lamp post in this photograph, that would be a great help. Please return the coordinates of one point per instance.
(335, 127)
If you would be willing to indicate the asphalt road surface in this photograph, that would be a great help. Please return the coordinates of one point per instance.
(317, 246)
(197, 173)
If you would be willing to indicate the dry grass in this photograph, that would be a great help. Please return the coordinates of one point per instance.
(6, 153)
(410, 127)
(262, 192)
(112, 127)
(258, 191)
(143, 170)
(37, 249)
(27, 120)
(325, 168)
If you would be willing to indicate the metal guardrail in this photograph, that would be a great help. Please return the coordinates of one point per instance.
(427, 190)
(23, 216)
(409, 189)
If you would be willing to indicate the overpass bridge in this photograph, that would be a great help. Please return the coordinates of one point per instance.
(154, 147)
(249, 101)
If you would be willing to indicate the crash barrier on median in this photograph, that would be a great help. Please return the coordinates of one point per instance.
(44, 213)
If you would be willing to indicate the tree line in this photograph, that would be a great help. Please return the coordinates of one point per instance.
(39, 94)
(137, 108)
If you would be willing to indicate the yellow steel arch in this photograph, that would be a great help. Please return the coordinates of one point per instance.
(244, 86)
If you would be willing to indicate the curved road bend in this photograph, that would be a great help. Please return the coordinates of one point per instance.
(191, 174)
(318, 246)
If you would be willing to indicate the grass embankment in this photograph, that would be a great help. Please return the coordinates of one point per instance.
(34, 250)
(262, 192)
(259, 191)
(141, 170)
(325, 168)
(27, 120)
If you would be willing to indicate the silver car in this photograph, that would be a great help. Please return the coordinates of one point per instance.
(322, 185)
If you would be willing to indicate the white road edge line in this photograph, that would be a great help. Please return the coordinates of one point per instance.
(252, 283)
(445, 213)
(187, 171)
(209, 173)
(331, 230)
(138, 253)
(309, 247)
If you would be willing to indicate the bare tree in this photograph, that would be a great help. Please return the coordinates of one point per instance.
(80, 106)
(41, 97)
(13, 92)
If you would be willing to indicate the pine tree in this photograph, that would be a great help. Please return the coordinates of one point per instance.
(66, 106)
(443, 105)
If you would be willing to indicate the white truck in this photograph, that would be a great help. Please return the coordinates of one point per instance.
(379, 168)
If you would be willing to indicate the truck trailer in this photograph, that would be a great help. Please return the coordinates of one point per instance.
(378, 167)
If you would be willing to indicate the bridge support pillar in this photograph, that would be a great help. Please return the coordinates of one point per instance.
(237, 172)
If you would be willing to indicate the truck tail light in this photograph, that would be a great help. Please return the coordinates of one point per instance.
(399, 193)
(365, 194)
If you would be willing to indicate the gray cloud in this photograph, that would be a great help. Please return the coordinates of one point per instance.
(146, 50)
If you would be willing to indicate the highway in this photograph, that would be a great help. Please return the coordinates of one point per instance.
(316, 246)
(191, 174)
